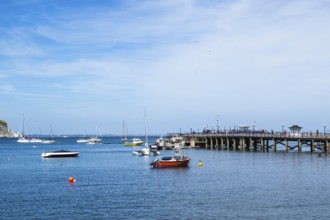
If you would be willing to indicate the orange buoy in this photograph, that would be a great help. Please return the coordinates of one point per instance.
(71, 180)
(200, 163)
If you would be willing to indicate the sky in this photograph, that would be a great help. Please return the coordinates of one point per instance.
(86, 66)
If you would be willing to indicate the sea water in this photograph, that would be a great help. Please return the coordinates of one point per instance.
(111, 183)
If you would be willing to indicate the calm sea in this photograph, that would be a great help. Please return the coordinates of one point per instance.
(111, 183)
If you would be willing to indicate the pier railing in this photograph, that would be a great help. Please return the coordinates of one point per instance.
(267, 135)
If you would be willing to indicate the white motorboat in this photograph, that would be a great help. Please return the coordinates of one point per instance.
(83, 140)
(60, 153)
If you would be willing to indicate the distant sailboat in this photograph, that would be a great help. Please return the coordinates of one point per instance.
(36, 140)
(124, 138)
(51, 139)
(146, 150)
(23, 136)
(83, 140)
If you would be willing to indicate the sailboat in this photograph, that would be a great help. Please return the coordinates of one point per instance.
(96, 139)
(49, 140)
(146, 150)
(36, 140)
(124, 138)
(23, 136)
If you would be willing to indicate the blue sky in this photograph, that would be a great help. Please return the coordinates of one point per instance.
(83, 66)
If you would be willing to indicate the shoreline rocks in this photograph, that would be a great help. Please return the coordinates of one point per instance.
(5, 131)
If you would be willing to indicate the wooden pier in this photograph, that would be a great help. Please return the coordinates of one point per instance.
(260, 142)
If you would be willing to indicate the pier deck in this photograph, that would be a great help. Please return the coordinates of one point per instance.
(260, 142)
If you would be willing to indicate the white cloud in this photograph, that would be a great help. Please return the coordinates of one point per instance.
(205, 58)
(7, 88)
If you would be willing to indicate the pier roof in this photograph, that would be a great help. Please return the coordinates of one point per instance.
(295, 128)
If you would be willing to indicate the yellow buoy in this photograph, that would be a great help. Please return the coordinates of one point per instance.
(200, 163)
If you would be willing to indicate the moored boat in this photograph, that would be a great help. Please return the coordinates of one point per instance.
(48, 141)
(93, 141)
(177, 160)
(60, 153)
(146, 151)
(35, 140)
(135, 142)
(23, 139)
(82, 140)
(51, 139)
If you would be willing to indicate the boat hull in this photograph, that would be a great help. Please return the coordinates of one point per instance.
(48, 141)
(129, 144)
(171, 163)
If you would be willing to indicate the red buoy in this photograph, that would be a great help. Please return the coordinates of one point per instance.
(71, 180)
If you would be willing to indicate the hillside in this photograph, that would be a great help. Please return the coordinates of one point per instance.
(4, 131)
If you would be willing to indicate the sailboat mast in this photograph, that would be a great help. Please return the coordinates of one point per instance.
(145, 126)
(24, 130)
(123, 128)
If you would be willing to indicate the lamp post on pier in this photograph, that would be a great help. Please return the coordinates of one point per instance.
(324, 127)
(282, 128)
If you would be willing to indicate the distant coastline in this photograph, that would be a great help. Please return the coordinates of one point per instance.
(5, 131)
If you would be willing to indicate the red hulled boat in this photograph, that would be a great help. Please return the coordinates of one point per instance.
(177, 160)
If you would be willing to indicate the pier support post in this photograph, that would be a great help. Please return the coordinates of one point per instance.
(241, 144)
(326, 144)
(217, 143)
(192, 142)
(234, 145)
(286, 145)
(312, 146)
(262, 145)
(221, 143)
(274, 145)
(299, 146)
(211, 143)
(227, 145)
(251, 144)
(255, 144)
